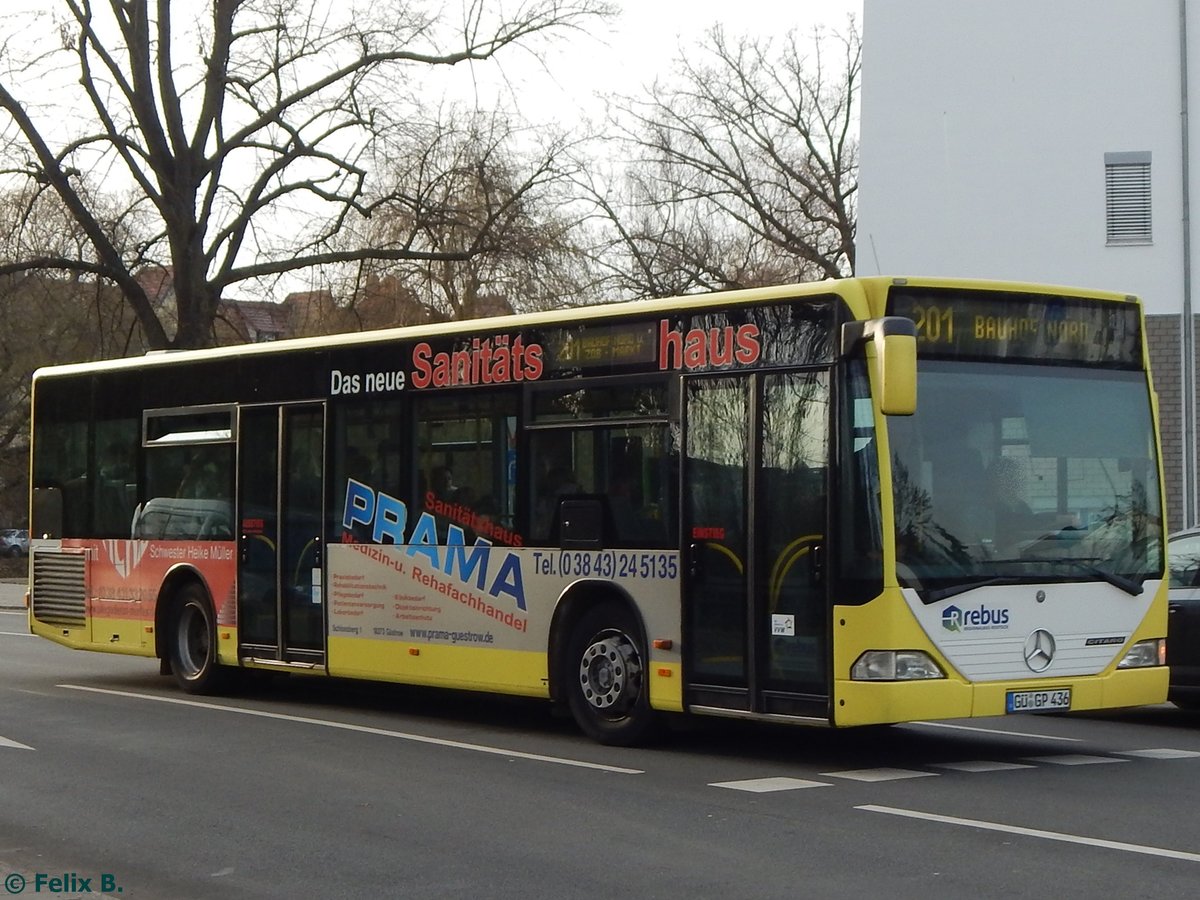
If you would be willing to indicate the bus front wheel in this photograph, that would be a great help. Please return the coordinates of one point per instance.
(193, 644)
(605, 670)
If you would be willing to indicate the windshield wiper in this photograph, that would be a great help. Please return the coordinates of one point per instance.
(1128, 585)
(933, 595)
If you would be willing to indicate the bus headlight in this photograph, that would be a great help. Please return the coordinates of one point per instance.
(1145, 653)
(895, 665)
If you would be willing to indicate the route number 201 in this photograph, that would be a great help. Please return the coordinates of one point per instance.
(934, 324)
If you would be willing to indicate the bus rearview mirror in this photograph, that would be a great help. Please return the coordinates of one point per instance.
(896, 355)
(892, 355)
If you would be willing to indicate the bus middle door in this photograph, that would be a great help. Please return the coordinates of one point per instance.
(755, 507)
(281, 489)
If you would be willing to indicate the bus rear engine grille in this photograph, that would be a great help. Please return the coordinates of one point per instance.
(59, 588)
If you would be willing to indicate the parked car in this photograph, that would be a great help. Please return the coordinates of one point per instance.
(1183, 627)
(14, 542)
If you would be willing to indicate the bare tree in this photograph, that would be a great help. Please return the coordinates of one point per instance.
(46, 319)
(505, 234)
(743, 168)
(245, 132)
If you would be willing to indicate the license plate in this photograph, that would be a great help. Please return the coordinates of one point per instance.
(1037, 701)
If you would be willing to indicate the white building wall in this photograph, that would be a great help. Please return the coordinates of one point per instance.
(983, 133)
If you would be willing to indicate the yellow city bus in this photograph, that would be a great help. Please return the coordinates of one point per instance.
(846, 503)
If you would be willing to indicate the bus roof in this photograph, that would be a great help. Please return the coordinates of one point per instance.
(865, 297)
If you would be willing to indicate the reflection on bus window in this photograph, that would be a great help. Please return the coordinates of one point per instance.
(859, 546)
(97, 489)
(368, 448)
(188, 493)
(1020, 476)
(466, 464)
(114, 493)
(628, 467)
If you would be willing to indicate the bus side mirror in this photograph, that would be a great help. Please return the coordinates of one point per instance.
(896, 357)
(893, 362)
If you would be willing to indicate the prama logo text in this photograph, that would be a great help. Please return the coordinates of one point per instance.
(386, 520)
(957, 619)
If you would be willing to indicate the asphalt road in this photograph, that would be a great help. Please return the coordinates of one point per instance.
(309, 788)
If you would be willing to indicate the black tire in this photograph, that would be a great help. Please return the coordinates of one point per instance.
(192, 643)
(605, 672)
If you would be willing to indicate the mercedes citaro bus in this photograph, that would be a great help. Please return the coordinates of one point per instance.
(850, 502)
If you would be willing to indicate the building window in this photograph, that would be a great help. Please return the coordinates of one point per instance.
(1127, 198)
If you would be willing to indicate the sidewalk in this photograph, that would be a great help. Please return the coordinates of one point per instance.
(12, 593)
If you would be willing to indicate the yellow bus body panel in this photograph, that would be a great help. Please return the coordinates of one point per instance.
(125, 636)
(499, 671)
(519, 672)
(666, 687)
(880, 702)
(886, 623)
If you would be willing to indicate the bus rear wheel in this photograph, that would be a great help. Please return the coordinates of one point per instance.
(192, 643)
(605, 671)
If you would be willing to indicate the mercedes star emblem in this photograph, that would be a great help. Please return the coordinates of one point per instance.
(1039, 650)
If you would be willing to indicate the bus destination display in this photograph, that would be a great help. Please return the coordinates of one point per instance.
(1020, 326)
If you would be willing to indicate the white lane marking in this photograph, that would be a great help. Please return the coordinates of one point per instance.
(5, 742)
(17, 634)
(768, 785)
(1035, 832)
(1160, 753)
(980, 765)
(1074, 759)
(881, 774)
(362, 729)
(1016, 734)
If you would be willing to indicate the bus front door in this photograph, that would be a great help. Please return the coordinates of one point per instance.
(755, 602)
(281, 489)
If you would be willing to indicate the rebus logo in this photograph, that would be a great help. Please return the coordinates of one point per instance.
(956, 619)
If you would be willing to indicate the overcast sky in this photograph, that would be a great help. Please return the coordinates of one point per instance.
(641, 45)
(621, 57)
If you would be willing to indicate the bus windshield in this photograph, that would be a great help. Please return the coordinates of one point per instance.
(1017, 473)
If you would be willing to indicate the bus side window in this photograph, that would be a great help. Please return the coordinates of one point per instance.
(114, 481)
(368, 449)
(465, 458)
(188, 491)
(47, 512)
(555, 478)
(60, 464)
(628, 466)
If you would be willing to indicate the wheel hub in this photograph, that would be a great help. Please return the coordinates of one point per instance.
(610, 673)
